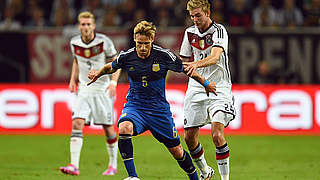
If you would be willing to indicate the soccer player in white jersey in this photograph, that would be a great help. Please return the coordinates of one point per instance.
(207, 42)
(92, 50)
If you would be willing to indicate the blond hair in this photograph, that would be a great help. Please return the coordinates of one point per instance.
(145, 28)
(194, 4)
(86, 14)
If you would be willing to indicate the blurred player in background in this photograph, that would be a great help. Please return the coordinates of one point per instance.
(91, 51)
(147, 108)
(208, 43)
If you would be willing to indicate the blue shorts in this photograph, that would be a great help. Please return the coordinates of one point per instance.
(160, 124)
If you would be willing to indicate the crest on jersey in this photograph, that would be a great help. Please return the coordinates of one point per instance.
(209, 39)
(155, 67)
(87, 52)
(96, 49)
(131, 68)
(201, 43)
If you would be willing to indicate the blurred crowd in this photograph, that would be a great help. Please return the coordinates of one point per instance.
(16, 14)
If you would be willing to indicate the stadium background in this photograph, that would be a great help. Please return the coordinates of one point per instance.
(275, 70)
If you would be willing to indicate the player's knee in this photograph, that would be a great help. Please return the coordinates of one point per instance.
(217, 137)
(190, 138)
(77, 124)
(126, 127)
(177, 152)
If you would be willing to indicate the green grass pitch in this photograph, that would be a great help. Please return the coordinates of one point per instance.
(25, 157)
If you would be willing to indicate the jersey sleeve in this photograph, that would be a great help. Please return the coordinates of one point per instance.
(174, 63)
(119, 62)
(72, 50)
(109, 49)
(185, 49)
(220, 37)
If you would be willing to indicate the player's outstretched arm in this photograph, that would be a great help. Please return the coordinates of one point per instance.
(209, 86)
(95, 74)
(74, 76)
(114, 81)
(208, 61)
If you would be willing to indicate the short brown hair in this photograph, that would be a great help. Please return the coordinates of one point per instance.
(194, 4)
(145, 28)
(86, 14)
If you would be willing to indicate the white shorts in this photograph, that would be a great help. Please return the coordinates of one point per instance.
(200, 109)
(94, 107)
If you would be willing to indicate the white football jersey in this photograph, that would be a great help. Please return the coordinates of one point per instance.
(92, 55)
(199, 45)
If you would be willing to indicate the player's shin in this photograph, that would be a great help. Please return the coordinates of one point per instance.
(126, 151)
(186, 164)
(197, 155)
(222, 156)
(112, 148)
(75, 147)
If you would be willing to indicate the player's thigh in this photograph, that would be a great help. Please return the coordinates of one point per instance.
(134, 116)
(227, 112)
(217, 128)
(217, 132)
(81, 108)
(102, 109)
(163, 129)
(195, 113)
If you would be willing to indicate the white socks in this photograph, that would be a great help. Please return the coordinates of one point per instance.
(223, 166)
(112, 148)
(76, 142)
(113, 153)
(197, 155)
(75, 149)
(202, 164)
(222, 156)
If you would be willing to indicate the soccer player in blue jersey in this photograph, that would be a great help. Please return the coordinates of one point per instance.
(147, 107)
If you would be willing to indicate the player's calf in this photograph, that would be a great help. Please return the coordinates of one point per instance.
(197, 155)
(186, 164)
(126, 151)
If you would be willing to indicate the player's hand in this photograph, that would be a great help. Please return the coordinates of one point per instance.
(73, 86)
(211, 88)
(112, 90)
(190, 67)
(93, 75)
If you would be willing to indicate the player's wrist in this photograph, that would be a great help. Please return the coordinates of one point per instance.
(205, 83)
(196, 64)
(113, 82)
